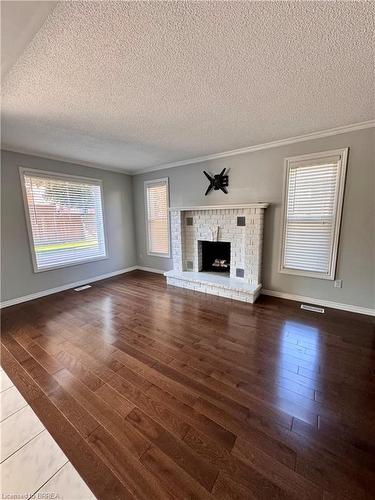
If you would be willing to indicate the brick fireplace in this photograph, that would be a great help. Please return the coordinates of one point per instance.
(200, 265)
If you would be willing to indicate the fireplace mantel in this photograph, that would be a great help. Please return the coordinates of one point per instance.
(219, 207)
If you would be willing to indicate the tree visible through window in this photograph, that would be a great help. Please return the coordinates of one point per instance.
(65, 219)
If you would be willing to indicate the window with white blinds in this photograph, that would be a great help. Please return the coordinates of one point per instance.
(314, 188)
(65, 219)
(157, 217)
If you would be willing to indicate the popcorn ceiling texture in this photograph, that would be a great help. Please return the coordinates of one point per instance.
(132, 85)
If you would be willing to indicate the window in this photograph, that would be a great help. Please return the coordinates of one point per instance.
(313, 198)
(157, 217)
(64, 217)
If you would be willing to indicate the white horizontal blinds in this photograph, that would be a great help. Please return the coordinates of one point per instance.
(157, 217)
(311, 215)
(66, 219)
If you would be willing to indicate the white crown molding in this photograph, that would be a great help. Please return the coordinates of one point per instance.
(50, 291)
(250, 149)
(319, 302)
(266, 145)
(12, 149)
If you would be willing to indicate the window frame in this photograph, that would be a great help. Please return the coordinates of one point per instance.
(339, 202)
(57, 175)
(146, 185)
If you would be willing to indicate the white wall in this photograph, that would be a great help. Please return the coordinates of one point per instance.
(18, 278)
(258, 176)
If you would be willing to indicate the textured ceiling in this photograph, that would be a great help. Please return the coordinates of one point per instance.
(133, 85)
(20, 21)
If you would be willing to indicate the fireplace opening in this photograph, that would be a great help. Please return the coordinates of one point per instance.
(215, 256)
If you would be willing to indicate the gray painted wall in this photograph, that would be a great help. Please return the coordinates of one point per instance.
(258, 176)
(18, 278)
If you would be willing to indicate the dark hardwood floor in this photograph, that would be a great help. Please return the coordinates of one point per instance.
(159, 392)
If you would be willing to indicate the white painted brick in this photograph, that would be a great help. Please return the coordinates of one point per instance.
(246, 244)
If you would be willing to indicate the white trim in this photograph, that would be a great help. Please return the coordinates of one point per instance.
(273, 293)
(326, 303)
(150, 270)
(76, 284)
(267, 145)
(75, 178)
(145, 186)
(47, 173)
(340, 188)
(220, 207)
(250, 149)
(22, 151)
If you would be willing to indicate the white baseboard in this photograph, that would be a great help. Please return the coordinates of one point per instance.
(150, 270)
(319, 302)
(299, 298)
(50, 291)
(281, 295)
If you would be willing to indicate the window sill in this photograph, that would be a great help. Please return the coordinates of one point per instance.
(165, 256)
(307, 274)
(70, 264)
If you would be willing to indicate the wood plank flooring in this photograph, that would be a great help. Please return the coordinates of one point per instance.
(156, 392)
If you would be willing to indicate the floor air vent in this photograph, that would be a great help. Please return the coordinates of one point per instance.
(80, 288)
(312, 308)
